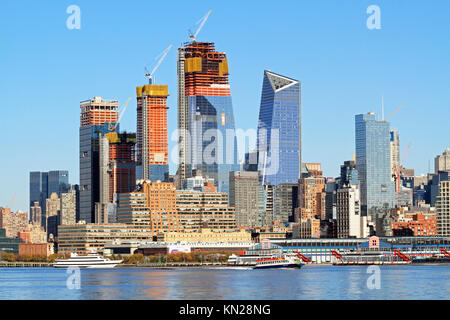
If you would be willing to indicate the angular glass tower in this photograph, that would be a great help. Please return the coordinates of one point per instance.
(207, 138)
(373, 161)
(279, 130)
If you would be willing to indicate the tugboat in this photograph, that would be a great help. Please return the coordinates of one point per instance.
(92, 260)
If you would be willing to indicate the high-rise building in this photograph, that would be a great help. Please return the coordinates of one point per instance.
(373, 161)
(279, 130)
(349, 174)
(247, 197)
(311, 200)
(158, 212)
(13, 222)
(443, 209)
(43, 184)
(152, 143)
(98, 117)
(395, 152)
(285, 200)
(68, 208)
(442, 162)
(207, 138)
(198, 211)
(52, 211)
(117, 172)
(36, 213)
(350, 223)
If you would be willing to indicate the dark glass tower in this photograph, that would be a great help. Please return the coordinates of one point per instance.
(279, 130)
(43, 184)
(98, 117)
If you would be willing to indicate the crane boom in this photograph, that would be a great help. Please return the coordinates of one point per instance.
(193, 37)
(398, 108)
(149, 76)
(121, 114)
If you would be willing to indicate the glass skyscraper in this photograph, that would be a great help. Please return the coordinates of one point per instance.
(279, 130)
(43, 184)
(98, 117)
(207, 138)
(373, 161)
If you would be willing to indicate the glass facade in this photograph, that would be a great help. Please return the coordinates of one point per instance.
(213, 138)
(43, 184)
(279, 130)
(90, 169)
(373, 160)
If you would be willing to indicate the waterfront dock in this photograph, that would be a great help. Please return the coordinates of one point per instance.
(4, 264)
(175, 264)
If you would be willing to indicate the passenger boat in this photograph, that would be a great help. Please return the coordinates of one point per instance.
(264, 255)
(91, 260)
(287, 261)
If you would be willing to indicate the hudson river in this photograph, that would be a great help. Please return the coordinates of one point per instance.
(310, 282)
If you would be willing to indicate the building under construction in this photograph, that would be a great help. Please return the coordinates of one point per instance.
(98, 117)
(205, 114)
(152, 143)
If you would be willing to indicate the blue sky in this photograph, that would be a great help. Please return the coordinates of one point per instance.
(345, 68)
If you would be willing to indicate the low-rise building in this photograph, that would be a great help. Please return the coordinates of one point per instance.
(8, 245)
(31, 249)
(205, 235)
(84, 237)
(419, 226)
(13, 222)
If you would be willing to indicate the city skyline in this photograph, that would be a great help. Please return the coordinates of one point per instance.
(361, 96)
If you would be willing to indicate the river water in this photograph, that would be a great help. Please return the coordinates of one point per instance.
(310, 282)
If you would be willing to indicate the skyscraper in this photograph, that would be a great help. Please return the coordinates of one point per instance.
(43, 184)
(247, 197)
(152, 144)
(443, 209)
(98, 117)
(279, 130)
(442, 162)
(395, 152)
(117, 172)
(207, 139)
(373, 161)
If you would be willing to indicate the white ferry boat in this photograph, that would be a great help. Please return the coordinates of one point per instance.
(286, 261)
(92, 260)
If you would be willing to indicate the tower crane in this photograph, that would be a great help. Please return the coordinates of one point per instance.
(13, 200)
(397, 178)
(113, 128)
(395, 111)
(193, 36)
(149, 75)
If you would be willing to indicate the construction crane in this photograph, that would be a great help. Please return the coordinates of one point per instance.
(149, 75)
(113, 128)
(193, 36)
(12, 201)
(395, 111)
(397, 178)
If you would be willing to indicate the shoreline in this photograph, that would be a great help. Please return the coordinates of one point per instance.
(204, 265)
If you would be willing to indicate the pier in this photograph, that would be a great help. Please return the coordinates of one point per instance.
(4, 264)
